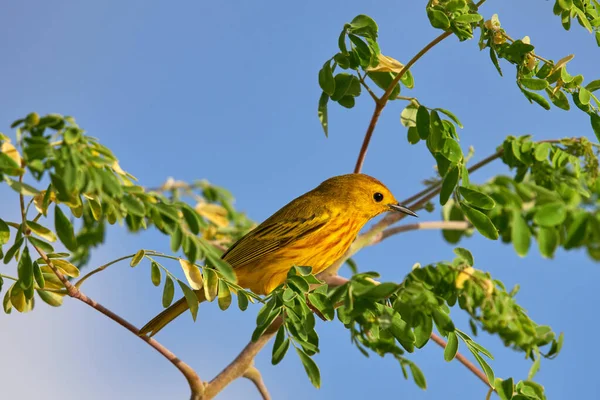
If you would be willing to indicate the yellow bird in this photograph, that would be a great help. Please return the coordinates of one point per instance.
(313, 230)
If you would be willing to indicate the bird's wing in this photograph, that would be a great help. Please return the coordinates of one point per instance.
(271, 236)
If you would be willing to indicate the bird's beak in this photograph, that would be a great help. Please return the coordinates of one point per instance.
(402, 209)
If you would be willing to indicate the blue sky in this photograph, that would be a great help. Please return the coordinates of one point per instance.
(227, 91)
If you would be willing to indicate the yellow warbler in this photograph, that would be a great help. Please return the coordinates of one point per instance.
(313, 230)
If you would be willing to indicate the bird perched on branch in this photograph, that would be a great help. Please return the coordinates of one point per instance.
(313, 230)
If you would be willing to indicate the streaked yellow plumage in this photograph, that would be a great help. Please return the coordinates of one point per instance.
(313, 230)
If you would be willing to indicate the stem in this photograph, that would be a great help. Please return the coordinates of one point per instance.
(99, 269)
(241, 363)
(196, 385)
(362, 82)
(363, 150)
(12, 278)
(253, 374)
(445, 225)
(380, 103)
(463, 360)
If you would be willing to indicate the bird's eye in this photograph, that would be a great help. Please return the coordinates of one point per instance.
(378, 197)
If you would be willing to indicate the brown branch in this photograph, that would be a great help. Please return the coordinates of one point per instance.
(244, 361)
(463, 360)
(445, 225)
(241, 363)
(363, 150)
(196, 385)
(380, 103)
(253, 374)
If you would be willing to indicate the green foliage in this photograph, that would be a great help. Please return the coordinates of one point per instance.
(552, 197)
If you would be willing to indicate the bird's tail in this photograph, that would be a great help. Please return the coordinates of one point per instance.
(169, 314)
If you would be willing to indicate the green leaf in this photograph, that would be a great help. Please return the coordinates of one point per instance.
(20, 187)
(477, 199)
(280, 347)
(538, 98)
(25, 270)
(384, 80)
(10, 253)
(311, 368)
(434, 141)
(468, 18)
(42, 231)
(46, 247)
(595, 121)
(534, 84)
(593, 85)
(559, 99)
(64, 229)
(242, 300)
(480, 221)
(451, 116)
(50, 298)
(4, 233)
(418, 376)
(168, 292)
(9, 166)
(423, 122)
(584, 96)
(423, 332)
(381, 291)
(190, 298)
(451, 150)
(541, 151)
(576, 231)
(448, 185)
(224, 299)
(322, 112)
(520, 233)
(38, 275)
(489, 373)
(451, 347)
(133, 205)
(413, 135)
(504, 388)
(326, 79)
(155, 274)
(362, 50)
(211, 284)
(191, 218)
(550, 214)
(408, 117)
(547, 241)
(465, 255)
(438, 19)
(565, 4)
(365, 26)
(139, 256)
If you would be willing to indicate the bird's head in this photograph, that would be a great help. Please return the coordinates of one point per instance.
(362, 193)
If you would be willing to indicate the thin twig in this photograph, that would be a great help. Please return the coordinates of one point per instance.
(363, 150)
(380, 103)
(253, 374)
(362, 82)
(419, 226)
(196, 385)
(463, 360)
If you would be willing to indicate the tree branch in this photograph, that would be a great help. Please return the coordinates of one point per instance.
(253, 374)
(463, 360)
(241, 363)
(196, 385)
(445, 225)
(380, 103)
